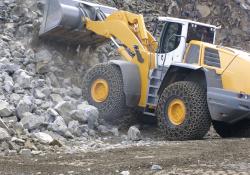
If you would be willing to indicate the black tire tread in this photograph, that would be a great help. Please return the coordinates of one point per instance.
(114, 106)
(198, 120)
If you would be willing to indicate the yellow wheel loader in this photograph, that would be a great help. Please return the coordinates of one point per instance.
(183, 79)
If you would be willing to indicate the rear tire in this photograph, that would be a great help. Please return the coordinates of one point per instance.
(196, 117)
(239, 129)
(113, 106)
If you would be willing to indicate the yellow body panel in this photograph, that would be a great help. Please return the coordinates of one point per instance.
(236, 76)
(130, 29)
(234, 70)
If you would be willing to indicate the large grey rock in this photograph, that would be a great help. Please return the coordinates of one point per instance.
(25, 152)
(64, 108)
(4, 135)
(75, 92)
(5, 109)
(92, 115)
(156, 167)
(14, 98)
(11, 68)
(74, 128)
(24, 105)
(52, 79)
(8, 84)
(59, 126)
(31, 121)
(103, 129)
(134, 134)
(43, 137)
(43, 57)
(125, 173)
(23, 80)
(56, 98)
(52, 112)
(38, 94)
(79, 115)
(204, 10)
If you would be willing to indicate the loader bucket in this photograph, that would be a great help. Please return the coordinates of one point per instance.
(63, 21)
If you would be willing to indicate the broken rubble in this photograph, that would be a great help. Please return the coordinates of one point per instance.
(92, 115)
(31, 121)
(38, 94)
(6, 109)
(4, 135)
(25, 152)
(64, 108)
(79, 115)
(156, 167)
(23, 80)
(58, 126)
(43, 137)
(134, 133)
(43, 57)
(56, 98)
(24, 105)
(74, 128)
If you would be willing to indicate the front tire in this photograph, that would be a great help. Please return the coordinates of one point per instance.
(182, 111)
(103, 88)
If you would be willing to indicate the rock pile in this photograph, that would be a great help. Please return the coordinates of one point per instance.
(40, 82)
(40, 101)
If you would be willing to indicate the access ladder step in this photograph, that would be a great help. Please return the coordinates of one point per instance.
(150, 114)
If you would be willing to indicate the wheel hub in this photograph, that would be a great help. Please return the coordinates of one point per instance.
(176, 111)
(99, 90)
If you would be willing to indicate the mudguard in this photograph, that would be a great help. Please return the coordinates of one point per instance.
(131, 81)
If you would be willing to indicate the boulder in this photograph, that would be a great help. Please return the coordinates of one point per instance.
(92, 115)
(59, 126)
(14, 98)
(79, 115)
(25, 152)
(134, 133)
(156, 168)
(24, 105)
(43, 137)
(75, 92)
(52, 112)
(64, 108)
(43, 57)
(31, 121)
(8, 86)
(4, 135)
(23, 80)
(38, 94)
(56, 98)
(5, 109)
(103, 129)
(74, 128)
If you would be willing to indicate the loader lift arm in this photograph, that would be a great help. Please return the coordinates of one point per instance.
(138, 45)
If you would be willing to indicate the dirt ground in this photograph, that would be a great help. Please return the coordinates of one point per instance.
(211, 156)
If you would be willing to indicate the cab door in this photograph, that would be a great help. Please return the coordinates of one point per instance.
(172, 48)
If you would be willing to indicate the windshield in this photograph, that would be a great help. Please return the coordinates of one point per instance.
(200, 33)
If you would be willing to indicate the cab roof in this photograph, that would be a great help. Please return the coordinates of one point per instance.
(172, 19)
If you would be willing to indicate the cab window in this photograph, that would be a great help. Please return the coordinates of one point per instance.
(193, 54)
(169, 42)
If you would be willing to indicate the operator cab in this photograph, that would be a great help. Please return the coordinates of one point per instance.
(175, 34)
